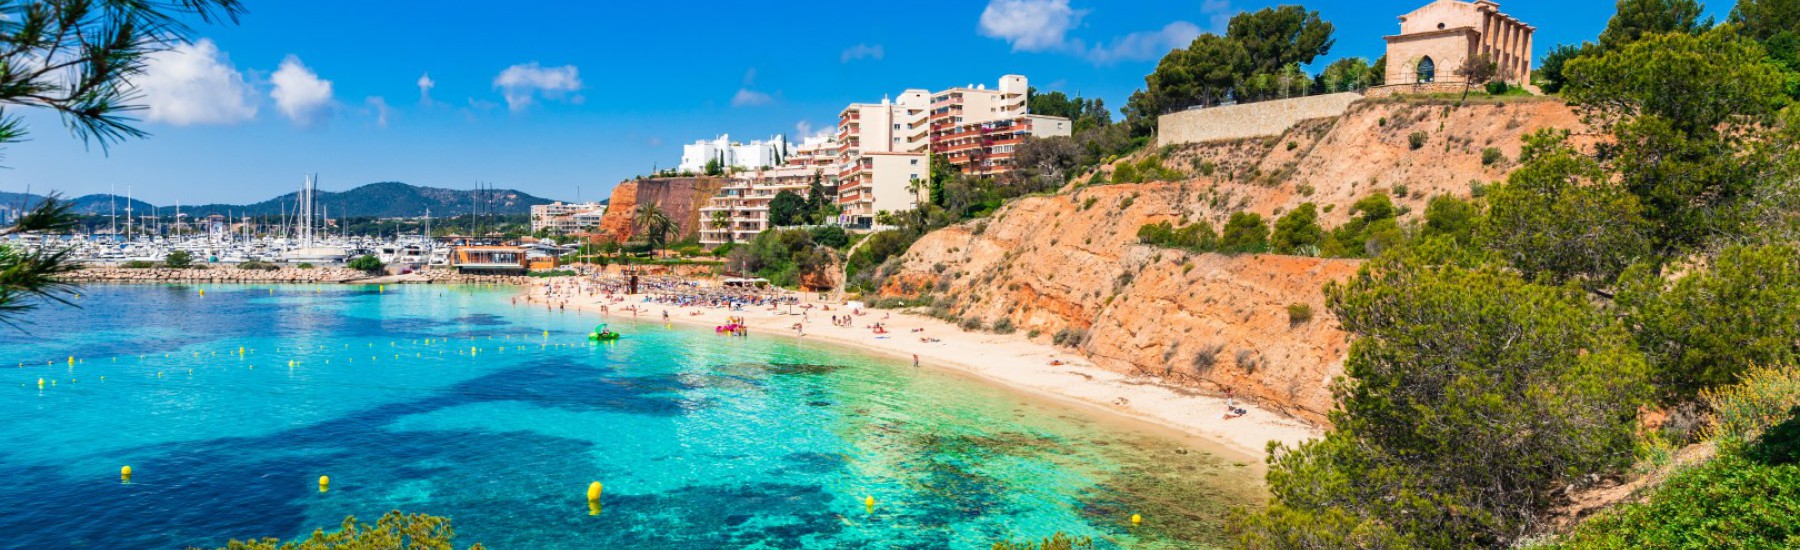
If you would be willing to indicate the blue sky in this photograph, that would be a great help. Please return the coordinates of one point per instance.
(561, 98)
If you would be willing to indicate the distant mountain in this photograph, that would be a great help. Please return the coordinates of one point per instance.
(385, 200)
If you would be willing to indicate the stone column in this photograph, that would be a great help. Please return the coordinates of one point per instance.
(1525, 74)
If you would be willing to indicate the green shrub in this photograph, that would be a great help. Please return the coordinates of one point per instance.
(1496, 88)
(1089, 203)
(1491, 156)
(1245, 232)
(1292, 145)
(1299, 314)
(139, 264)
(366, 263)
(723, 250)
(304, 265)
(970, 323)
(179, 259)
(1004, 325)
(258, 265)
(1417, 140)
(1071, 337)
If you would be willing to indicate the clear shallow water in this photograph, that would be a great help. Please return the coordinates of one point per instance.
(701, 441)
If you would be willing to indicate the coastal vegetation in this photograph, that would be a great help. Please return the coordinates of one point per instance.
(1585, 289)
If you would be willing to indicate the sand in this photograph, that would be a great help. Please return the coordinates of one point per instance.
(1008, 361)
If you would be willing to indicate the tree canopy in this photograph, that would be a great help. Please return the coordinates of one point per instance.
(1636, 18)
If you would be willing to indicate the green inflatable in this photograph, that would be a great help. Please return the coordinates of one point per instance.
(601, 333)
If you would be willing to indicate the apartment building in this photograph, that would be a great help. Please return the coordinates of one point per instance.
(879, 160)
(566, 218)
(896, 129)
(743, 204)
(731, 154)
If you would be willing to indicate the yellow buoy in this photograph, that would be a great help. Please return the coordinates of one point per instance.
(593, 508)
(593, 493)
(71, 359)
(125, 474)
(40, 383)
(203, 292)
(869, 502)
(1136, 520)
(324, 483)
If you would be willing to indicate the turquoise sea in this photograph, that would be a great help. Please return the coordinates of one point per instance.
(452, 401)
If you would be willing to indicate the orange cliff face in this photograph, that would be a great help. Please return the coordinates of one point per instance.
(679, 198)
(1071, 263)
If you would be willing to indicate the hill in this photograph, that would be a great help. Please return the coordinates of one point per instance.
(382, 200)
(1070, 267)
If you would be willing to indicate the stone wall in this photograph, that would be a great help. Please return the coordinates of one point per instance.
(1264, 119)
(1454, 86)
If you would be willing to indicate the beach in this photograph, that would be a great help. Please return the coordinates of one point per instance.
(1012, 361)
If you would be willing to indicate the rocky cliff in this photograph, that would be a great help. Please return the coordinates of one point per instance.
(1069, 267)
(679, 198)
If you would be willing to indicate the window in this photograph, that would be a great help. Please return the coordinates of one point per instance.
(896, 126)
(1427, 70)
(915, 162)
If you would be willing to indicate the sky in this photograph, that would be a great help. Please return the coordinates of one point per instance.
(565, 99)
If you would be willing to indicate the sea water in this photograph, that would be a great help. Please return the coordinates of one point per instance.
(229, 402)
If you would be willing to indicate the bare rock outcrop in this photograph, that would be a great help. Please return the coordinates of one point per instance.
(1069, 268)
(679, 198)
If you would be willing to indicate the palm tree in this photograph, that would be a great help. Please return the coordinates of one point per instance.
(721, 220)
(655, 224)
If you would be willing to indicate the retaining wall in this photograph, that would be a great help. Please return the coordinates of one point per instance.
(1263, 119)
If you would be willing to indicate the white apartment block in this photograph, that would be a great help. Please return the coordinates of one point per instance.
(566, 218)
(756, 154)
(744, 201)
(894, 126)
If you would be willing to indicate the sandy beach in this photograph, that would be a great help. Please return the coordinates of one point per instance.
(1011, 361)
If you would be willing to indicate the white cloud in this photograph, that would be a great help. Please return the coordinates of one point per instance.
(194, 84)
(522, 83)
(1145, 45)
(1218, 15)
(1030, 25)
(863, 51)
(1044, 26)
(425, 86)
(379, 107)
(805, 130)
(746, 97)
(299, 93)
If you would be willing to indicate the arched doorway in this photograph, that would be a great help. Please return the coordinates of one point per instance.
(1427, 70)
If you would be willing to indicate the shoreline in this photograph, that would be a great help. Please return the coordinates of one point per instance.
(1010, 362)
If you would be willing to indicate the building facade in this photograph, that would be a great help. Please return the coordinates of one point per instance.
(566, 218)
(743, 204)
(731, 154)
(1437, 39)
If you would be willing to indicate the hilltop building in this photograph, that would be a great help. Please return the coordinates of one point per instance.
(730, 154)
(566, 218)
(1435, 41)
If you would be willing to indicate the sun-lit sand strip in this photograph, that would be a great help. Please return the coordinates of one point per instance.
(1011, 361)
